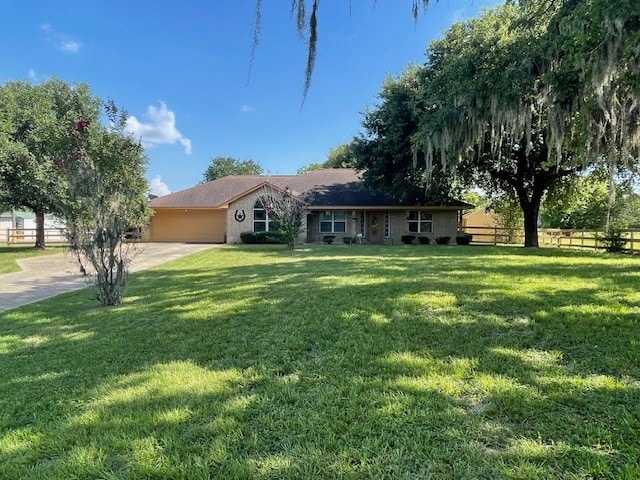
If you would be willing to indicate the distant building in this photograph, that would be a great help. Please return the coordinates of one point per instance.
(482, 223)
(25, 222)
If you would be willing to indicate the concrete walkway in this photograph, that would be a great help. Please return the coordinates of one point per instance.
(50, 275)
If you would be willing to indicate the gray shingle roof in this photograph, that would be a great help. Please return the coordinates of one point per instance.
(217, 193)
(326, 187)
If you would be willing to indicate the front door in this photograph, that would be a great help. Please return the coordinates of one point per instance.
(375, 226)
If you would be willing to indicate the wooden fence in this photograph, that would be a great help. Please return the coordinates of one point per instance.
(28, 235)
(553, 237)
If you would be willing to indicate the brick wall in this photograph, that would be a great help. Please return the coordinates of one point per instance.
(246, 203)
(444, 224)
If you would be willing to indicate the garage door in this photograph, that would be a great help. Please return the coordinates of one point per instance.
(207, 226)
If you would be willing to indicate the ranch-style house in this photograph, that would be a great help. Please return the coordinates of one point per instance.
(337, 203)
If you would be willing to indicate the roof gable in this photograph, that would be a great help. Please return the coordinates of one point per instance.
(215, 194)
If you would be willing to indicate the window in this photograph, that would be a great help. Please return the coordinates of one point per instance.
(387, 229)
(420, 222)
(333, 222)
(362, 228)
(260, 218)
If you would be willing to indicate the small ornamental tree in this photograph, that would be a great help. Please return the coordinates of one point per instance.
(107, 197)
(288, 210)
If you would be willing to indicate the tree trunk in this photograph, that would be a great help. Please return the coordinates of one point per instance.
(530, 210)
(39, 230)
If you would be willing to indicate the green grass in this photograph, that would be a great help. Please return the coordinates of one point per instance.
(333, 362)
(9, 255)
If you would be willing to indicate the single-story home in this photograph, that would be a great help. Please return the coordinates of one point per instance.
(337, 204)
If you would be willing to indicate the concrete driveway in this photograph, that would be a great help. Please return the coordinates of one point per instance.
(50, 275)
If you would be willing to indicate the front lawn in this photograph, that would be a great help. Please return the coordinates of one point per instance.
(333, 362)
(9, 255)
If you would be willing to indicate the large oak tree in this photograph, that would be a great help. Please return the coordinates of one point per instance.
(509, 102)
(501, 105)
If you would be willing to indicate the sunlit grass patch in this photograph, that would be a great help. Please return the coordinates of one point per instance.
(9, 255)
(326, 362)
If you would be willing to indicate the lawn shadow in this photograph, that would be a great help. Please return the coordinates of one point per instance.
(324, 364)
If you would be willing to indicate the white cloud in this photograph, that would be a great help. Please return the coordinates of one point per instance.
(32, 75)
(161, 128)
(158, 187)
(61, 41)
(70, 46)
(247, 109)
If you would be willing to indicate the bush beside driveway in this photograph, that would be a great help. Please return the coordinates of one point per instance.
(49, 275)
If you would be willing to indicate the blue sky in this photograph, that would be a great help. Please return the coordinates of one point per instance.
(180, 70)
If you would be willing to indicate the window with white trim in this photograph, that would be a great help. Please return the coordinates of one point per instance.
(260, 218)
(420, 222)
(333, 222)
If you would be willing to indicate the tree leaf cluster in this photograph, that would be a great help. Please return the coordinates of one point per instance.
(340, 156)
(35, 126)
(106, 199)
(287, 211)
(505, 103)
(223, 166)
(583, 203)
(57, 156)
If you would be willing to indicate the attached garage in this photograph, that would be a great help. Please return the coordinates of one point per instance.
(188, 225)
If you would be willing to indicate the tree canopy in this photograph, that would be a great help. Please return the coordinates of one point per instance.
(588, 65)
(106, 198)
(35, 126)
(571, 74)
(224, 166)
(56, 156)
(340, 156)
(584, 202)
(504, 102)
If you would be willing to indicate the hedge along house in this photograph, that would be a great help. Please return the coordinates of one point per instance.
(338, 204)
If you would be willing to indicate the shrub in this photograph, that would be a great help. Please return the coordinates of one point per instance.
(407, 239)
(278, 237)
(328, 239)
(614, 239)
(424, 240)
(463, 239)
(443, 240)
(262, 237)
(348, 240)
(248, 237)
